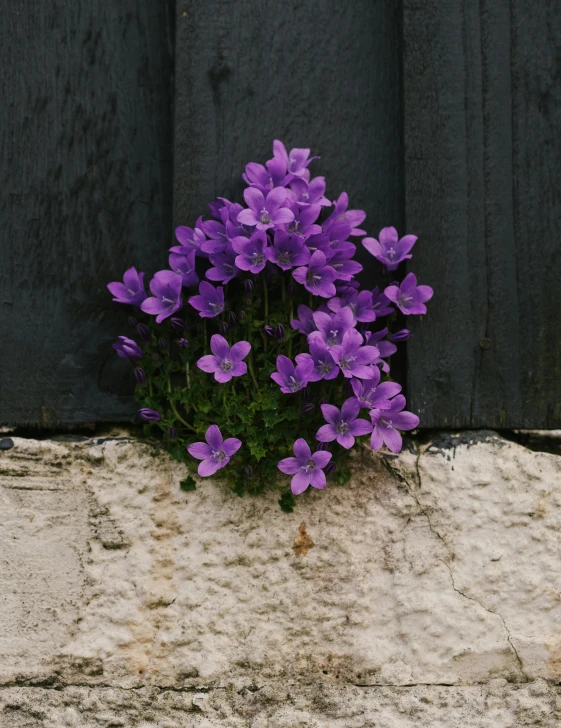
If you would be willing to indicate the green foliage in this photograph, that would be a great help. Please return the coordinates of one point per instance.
(188, 483)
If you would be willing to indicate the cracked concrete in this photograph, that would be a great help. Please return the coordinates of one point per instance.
(432, 592)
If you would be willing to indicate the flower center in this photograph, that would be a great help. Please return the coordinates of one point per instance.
(332, 338)
(293, 226)
(391, 253)
(342, 427)
(404, 300)
(216, 307)
(346, 362)
(324, 367)
(312, 278)
(264, 216)
(219, 455)
(131, 291)
(309, 466)
(257, 259)
(386, 422)
(226, 365)
(305, 196)
(291, 163)
(293, 384)
(283, 258)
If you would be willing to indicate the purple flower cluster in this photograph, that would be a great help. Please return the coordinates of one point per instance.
(288, 230)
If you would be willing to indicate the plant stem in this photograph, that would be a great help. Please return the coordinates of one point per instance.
(266, 299)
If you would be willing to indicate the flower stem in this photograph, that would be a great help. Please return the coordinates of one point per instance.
(266, 299)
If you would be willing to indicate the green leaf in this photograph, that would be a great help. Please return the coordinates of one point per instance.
(287, 502)
(188, 483)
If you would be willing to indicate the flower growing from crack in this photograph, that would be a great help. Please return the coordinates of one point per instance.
(166, 299)
(215, 453)
(290, 378)
(127, 348)
(210, 301)
(265, 212)
(343, 425)
(307, 468)
(131, 291)
(389, 249)
(408, 296)
(387, 422)
(225, 362)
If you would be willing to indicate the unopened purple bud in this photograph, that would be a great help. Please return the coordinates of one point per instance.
(177, 324)
(183, 343)
(269, 330)
(133, 322)
(140, 375)
(172, 433)
(401, 335)
(249, 471)
(279, 332)
(144, 332)
(306, 394)
(248, 285)
(223, 328)
(330, 468)
(243, 316)
(308, 407)
(149, 415)
(232, 320)
(163, 344)
(200, 329)
(291, 290)
(322, 446)
(322, 400)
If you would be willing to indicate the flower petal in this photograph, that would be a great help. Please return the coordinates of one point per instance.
(392, 438)
(321, 458)
(330, 412)
(231, 445)
(208, 363)
(290, 466)
(210, 466)
(326, 433)
(214, 437)
(200, 450)
(240, 350)
(300, 482)
(317, 479)
(302, 449)
(219, 346)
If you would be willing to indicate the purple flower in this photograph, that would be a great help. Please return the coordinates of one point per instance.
(225, 362)
(177, 324)
(184, 265)
(149, 415)
(401, 335)
(166, 299)
(409, 297)
(189, 239)
(296, 161)
(290, 378)
(324, 366)
(389, 250)
(215, 453)
(267, 177)
(306, 468)
(305, 324)
(304, 221)
(140, 376)
(352, 217)
(317, 277)
(309, 193)
(265, 212)
(352, 357)
(131, 291)
(224, 266)
(253, 253)
(380, 303)
(127, 348)
(385, 347)
(144, 332)
(183, 343)
(373, 394)
(387, 422)
(360, 304)
(288, 251)
(340, 261)
(332, 327)
(209, 302)
(343, 424)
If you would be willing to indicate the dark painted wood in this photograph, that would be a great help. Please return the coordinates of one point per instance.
(85, 165)
(321, 74)
(482, 110)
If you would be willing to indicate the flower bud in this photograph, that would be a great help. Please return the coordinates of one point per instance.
(401, 335)
(144, 332)
(269, 330)
(243, 316)
(140, 375)
(308, 407)
(322, 446)
(172, 433)
(149, 415)
(232, 320)
(183, 343)
(330, 468)
(223, 328)
(322, 401)
(249, 471)
(133, 322)
(200, 329)
(306, 394)
(248, 285)
(177, 324)
(279, 332)
(291, 290)
(163, 344)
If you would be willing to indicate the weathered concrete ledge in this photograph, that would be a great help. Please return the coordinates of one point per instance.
(427, 590)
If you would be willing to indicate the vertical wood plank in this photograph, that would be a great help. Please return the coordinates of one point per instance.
(85, 159)
(324, 75)
(482, 110)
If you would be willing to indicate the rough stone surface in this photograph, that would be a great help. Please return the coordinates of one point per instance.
(426, 592)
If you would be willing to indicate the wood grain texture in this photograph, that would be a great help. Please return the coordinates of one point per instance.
(324, 75)
(482, 110)
(85, 159)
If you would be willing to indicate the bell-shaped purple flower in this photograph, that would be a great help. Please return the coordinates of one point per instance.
(341, 213)
(288, 251)
(385, 347)
(341, 262)
(296, 161)
(332, 327)
(189, 239)
(371, 393)
(360, 304)
(343, 425)
(215, 453)
(387, 422)
(309, 193)
(408, 296)
(352, 357)
(252, 254)
(184, 265)
(324, 365)
(210, 301)
(307, 468)
(166, 295)
(389, 250)
(305, 323)
(224, 265)
(131, 291)
(290, 378)
(317, 277)
(264, 178)
(381, 303)
(265, 212)
(127, 348)
(225, 362)
(304, 221)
